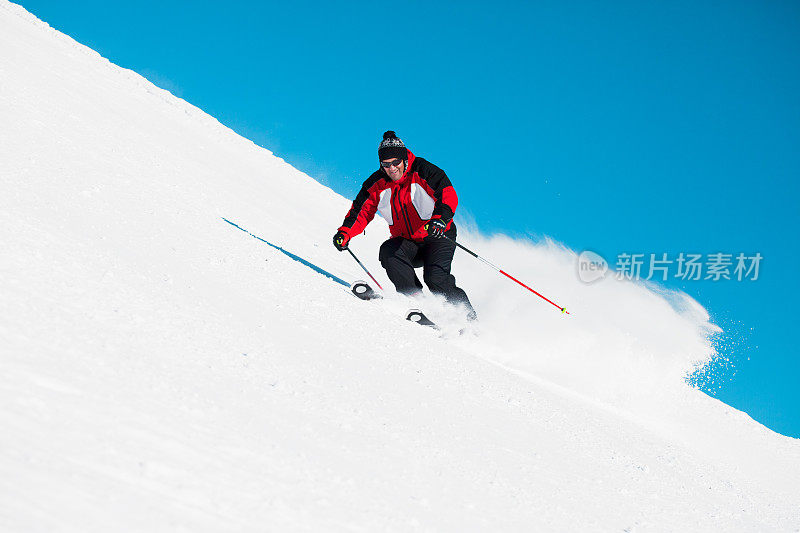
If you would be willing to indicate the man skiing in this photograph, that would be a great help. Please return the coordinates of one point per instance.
(418, 201)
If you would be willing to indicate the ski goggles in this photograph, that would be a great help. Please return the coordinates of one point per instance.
(392, 163)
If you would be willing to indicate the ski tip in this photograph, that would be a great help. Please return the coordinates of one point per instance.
(415, 315)
(418, 317)
(363, 291)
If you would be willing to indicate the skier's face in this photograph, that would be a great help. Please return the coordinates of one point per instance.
(395, 172)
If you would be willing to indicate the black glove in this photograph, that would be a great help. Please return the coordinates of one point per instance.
(340, 240)
(436, 228)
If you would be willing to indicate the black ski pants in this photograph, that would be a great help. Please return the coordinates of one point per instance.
(400, 256)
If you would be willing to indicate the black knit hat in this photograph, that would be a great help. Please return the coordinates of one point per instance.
(391, 147)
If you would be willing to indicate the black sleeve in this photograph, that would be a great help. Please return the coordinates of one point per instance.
(361, 198)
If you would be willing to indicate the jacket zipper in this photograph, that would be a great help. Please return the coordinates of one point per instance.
(403, 213)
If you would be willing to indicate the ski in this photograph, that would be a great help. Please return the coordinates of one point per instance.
(418, 317)
(363, 291)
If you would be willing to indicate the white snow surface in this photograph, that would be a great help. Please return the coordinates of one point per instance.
(161, 370)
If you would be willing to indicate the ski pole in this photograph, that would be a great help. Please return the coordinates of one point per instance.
(473, 254)
(365, 268)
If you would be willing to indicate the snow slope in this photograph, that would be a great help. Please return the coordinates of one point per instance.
(162, 370)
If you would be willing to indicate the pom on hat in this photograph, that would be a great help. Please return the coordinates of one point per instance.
(392, 147)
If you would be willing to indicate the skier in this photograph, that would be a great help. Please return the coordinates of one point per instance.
(418, 201)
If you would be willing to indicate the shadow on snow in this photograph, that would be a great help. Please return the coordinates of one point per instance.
(297, 258)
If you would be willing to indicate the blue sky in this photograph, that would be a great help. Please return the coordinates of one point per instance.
(639, 127)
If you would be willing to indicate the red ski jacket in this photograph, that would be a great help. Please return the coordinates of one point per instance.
(422, 194)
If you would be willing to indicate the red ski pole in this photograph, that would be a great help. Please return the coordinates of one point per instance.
(365, 268)
(506, 274)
